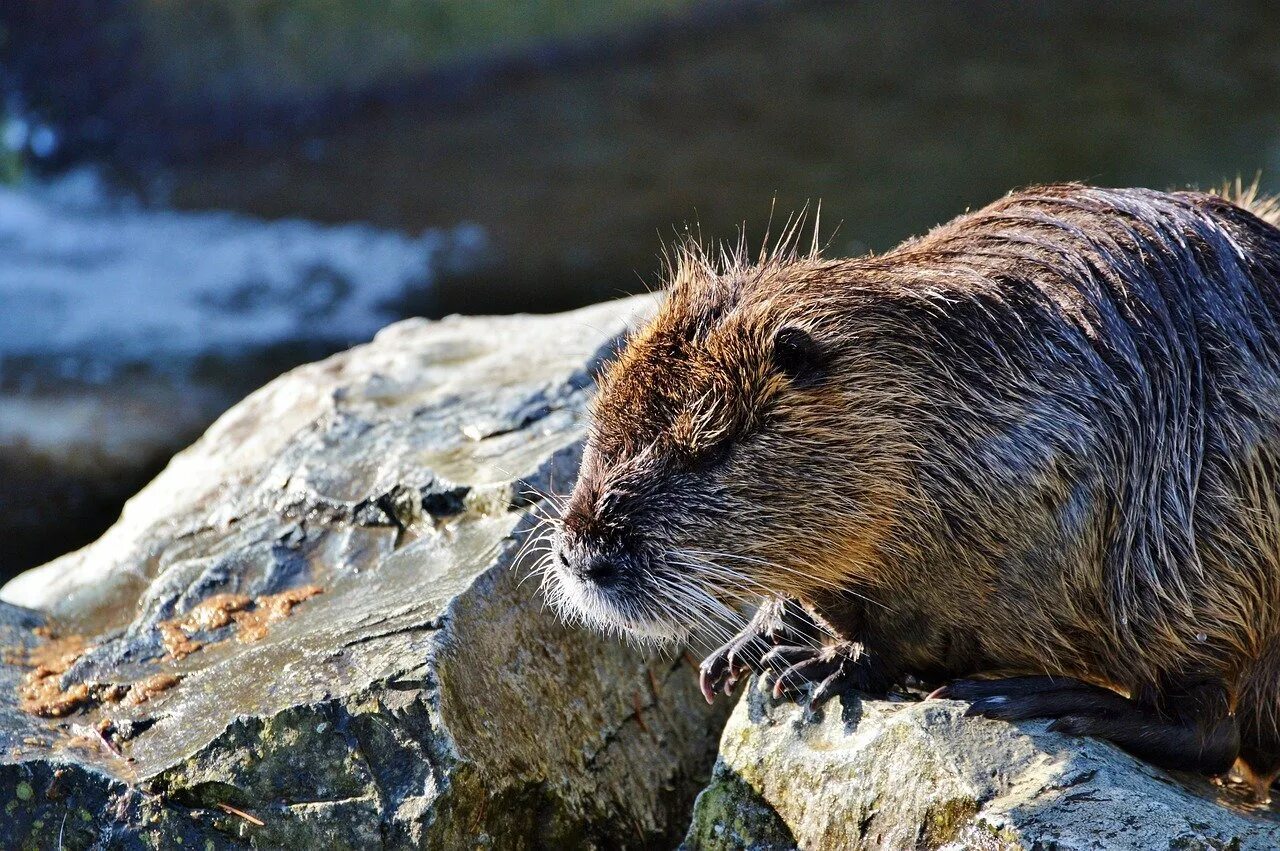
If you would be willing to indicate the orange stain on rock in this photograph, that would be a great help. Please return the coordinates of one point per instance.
(255, 624)
(40, 692)
(144, 690)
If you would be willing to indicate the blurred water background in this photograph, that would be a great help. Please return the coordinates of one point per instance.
(196, 196)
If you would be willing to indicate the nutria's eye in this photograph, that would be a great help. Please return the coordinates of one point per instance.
(800, 357)
(706, 459)
(714, 456)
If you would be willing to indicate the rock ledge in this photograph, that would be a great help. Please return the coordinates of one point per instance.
(894, 775)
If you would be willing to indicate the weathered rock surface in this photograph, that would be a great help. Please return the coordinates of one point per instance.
(425, 698)
(96, 393)
(897, 775)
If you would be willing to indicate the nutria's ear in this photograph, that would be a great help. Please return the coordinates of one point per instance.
(800, 357)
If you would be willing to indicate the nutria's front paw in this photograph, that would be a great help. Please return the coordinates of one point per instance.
(774, 622)
(835, 668)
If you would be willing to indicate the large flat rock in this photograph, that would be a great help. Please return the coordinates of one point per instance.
(335, 573)
(897, 775)
(98, 391)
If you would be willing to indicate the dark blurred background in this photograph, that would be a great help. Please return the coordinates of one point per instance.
(197, 195)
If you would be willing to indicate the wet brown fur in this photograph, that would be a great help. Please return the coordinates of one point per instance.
(1045, 438)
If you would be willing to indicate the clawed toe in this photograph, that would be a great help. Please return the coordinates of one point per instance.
(831, 670)
(721, 671)
(786, 656)
(769, 644)
(797, 667)
(828, 688)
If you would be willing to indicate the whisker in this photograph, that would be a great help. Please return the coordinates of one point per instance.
(726, 576)
(823, 582)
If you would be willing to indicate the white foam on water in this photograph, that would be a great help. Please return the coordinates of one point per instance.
(105, 280)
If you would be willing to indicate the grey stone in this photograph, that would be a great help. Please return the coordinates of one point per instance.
(894, 775)
(125, 330)
(427, 697)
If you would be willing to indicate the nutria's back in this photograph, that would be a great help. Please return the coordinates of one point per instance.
(1114, 356)
(1044, 436)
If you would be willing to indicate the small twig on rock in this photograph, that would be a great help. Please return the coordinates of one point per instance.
(638, 705)
(92, 734)
(227, 808)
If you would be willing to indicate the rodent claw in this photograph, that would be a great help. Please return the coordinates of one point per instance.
(803, 665)
(782, 687)
(719, 672)
(825, 690)
(705, 683)
(723, 669)
(740, 655)
(832, 669)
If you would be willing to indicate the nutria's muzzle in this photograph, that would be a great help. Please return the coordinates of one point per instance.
(608, 586)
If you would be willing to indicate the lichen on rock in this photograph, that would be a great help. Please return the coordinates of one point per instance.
(876, 774)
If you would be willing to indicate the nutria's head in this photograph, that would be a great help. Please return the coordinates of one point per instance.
(738, 447)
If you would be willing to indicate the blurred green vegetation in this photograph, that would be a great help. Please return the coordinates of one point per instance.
(12, 163)
(13, 132)
(286, 49)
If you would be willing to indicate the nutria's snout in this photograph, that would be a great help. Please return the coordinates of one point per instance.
(585, 547)
(597, 544)
(604, 576)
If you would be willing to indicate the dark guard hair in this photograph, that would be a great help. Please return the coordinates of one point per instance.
(1043, 438)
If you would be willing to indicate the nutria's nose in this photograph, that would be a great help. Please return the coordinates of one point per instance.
(589, 567)
(599, 569)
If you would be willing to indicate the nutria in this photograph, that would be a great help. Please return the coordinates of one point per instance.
(1041, 440)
